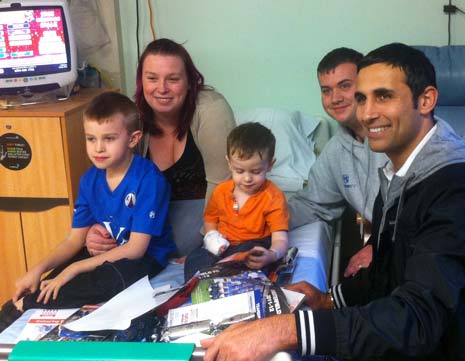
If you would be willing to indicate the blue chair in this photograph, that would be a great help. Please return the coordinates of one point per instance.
(449, 62)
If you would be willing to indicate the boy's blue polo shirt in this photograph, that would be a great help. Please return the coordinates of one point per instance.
(138, 204)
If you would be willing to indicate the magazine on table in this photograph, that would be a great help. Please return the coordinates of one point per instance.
(43, 321)
(61, 333)
(224, 294)
(139, 330)
(279, 272)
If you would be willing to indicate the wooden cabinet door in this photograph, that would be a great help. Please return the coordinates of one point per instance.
(45, 175)
(43, 231)
(12, 259)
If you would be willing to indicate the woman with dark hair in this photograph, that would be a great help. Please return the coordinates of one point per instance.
(185, 124)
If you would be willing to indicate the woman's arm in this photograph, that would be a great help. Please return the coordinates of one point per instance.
(212, 122)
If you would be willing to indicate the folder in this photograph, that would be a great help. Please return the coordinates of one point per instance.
(101, 351)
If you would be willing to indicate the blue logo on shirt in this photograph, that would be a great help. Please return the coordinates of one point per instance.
(345, 179)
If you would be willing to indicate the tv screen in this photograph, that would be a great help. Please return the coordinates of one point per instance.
(35, 44)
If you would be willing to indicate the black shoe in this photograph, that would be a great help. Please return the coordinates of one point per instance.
(8, 314)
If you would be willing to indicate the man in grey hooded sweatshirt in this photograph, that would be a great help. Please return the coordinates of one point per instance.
(345, 173)
(413, 304)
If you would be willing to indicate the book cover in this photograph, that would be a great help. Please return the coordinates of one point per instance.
(227, 279)
(43, 321)
(282, 271)
(233, 278)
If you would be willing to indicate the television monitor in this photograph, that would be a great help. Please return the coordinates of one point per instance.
(37, 48)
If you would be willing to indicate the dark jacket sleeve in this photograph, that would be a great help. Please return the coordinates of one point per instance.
(416, 317)
(357, 290)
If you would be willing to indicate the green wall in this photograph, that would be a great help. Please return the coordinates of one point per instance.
(265, 52)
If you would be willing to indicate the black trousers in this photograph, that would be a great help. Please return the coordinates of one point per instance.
(200, 258)
(98, 285)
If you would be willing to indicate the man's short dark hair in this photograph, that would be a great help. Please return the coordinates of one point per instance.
(250, 138)
(337, 57)
(418, 70)
(108, 104)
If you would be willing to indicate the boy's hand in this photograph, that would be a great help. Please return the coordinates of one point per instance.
(98, 240)
(27, 284)
(215, 243)
(50, 288)
(259, 257)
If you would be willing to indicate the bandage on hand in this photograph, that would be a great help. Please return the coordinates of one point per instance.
(215, 243)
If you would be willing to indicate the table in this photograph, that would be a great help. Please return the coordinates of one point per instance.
(314, 242)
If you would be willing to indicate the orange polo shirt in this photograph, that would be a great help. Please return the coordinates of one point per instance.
(263, 213)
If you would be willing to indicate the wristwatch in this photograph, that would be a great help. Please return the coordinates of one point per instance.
(332, 300)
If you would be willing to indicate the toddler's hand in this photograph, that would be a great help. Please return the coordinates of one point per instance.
(259, 257)
(215, 243)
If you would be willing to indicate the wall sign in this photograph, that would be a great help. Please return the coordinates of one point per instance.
(15, 151)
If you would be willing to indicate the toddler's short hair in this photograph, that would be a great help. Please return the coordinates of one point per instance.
(108, 104)
(250, 138)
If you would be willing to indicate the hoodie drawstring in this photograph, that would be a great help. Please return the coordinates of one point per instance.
(365, 194)
(400, 206)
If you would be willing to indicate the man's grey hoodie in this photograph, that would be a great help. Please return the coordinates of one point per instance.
(346, 172)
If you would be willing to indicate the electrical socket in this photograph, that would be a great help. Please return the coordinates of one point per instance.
(450, 9)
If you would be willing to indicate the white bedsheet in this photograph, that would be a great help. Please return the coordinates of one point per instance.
(314, 244)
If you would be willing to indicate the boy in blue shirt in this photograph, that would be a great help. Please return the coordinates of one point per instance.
(122, 191)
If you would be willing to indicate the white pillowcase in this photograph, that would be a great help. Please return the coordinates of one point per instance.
(294, 144)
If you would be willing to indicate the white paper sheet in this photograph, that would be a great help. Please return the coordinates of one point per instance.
(118, 312)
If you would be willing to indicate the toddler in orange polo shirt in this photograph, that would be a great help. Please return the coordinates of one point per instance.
(247, 212)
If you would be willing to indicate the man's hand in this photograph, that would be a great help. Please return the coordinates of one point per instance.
(256, 340)
(361, 259)
(314, 298)
(98, 240)
(258, 257)
(27, 284)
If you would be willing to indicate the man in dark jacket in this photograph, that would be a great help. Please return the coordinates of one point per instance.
(413, 306)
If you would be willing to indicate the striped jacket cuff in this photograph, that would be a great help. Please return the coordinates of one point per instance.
(337, 296)
(305, 332)
(316, 333)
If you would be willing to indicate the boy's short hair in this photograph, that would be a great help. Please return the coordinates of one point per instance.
(337, 57)
(108, 104)
(250, 138)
